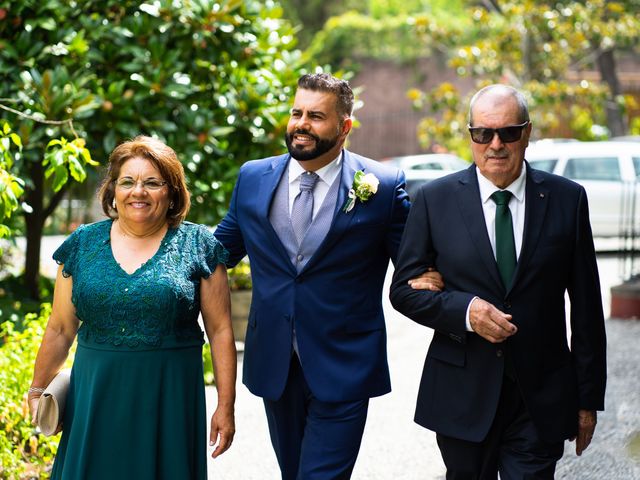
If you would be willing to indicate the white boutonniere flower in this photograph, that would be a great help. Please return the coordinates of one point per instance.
(362, 188)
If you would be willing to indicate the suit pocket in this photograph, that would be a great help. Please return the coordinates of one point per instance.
(367, 322)
(447, 351)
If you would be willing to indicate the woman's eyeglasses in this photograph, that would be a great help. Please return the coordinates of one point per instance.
(509, 134)
(149, 184)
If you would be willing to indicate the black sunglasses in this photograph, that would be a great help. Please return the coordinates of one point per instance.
(509, 134)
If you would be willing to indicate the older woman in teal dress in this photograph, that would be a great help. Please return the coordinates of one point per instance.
(131, 288)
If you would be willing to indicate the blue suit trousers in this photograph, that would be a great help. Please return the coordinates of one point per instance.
(314, 440)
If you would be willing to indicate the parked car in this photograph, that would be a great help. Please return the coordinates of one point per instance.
(609, 173)
(420, 169)
(626, 138)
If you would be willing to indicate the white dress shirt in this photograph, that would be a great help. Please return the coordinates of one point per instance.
(327, 175)
(516, 206)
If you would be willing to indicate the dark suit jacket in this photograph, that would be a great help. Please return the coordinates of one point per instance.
(463, 373)
(335, 302)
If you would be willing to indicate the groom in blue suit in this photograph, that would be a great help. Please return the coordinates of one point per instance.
(319, 225)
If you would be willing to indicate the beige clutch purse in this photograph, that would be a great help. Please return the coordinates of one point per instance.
(52, 402)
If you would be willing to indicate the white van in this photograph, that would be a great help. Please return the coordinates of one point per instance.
(609, 173)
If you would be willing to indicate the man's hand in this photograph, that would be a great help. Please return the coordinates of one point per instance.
(489, 322)
(429, 280)
(587, 420)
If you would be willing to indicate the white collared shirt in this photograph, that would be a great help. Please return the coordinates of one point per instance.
(516, 206)
(327, 175)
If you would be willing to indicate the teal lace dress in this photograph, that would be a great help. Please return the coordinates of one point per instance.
(136, 405)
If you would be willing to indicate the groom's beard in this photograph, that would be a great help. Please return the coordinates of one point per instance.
(323, 145)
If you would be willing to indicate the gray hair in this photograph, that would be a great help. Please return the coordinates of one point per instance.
(503, 90)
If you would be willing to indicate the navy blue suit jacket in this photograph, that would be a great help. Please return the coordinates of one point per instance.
(335, 302)
(463, 372)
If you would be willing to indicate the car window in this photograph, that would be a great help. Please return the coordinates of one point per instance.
(547, 165)
(427, 166)
(594, 168)
(636, 166)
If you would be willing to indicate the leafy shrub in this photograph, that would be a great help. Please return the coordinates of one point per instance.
(24, 454)
(15, 302)
(207, 364)
(240, 276)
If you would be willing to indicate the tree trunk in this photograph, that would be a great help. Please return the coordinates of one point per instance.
(615, 119)
(34, 222)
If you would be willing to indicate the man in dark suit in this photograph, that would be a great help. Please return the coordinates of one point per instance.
(315, 347)
(502, 387)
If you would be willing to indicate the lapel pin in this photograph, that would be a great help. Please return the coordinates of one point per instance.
(542, 195)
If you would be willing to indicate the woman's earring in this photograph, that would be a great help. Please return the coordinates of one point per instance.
(170, 205)
(113, 204)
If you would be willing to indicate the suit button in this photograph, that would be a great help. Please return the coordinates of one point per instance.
(299, 280)
(499, 353)
(507, 305)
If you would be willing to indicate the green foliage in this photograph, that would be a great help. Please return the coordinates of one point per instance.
(211, 78)
(15, 302)
(526, 43)
(207, 365)
(11, 187)
(23, 453)
(530, 40)
(532, 46)
(390, 30)
(67, 158)
(311, 15)
(240, 276)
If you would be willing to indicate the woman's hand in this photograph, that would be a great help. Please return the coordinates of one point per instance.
(32, 400)
(223, 429)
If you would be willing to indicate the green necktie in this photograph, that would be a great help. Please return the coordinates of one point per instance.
(505, 244)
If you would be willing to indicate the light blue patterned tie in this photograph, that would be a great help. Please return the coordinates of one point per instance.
(302, 210)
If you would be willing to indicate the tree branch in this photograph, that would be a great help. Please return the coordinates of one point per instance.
(55, 201)
(68, 121)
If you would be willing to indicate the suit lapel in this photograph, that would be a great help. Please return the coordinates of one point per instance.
(341, 220)
(470, 204)
(266, 190)
(537, 200)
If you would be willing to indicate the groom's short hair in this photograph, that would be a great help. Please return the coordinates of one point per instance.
(325, 82)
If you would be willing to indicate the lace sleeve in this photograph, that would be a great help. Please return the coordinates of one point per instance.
(66, 253)
(210, 252)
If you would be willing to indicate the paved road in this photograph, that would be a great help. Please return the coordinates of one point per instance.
(394, 447)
